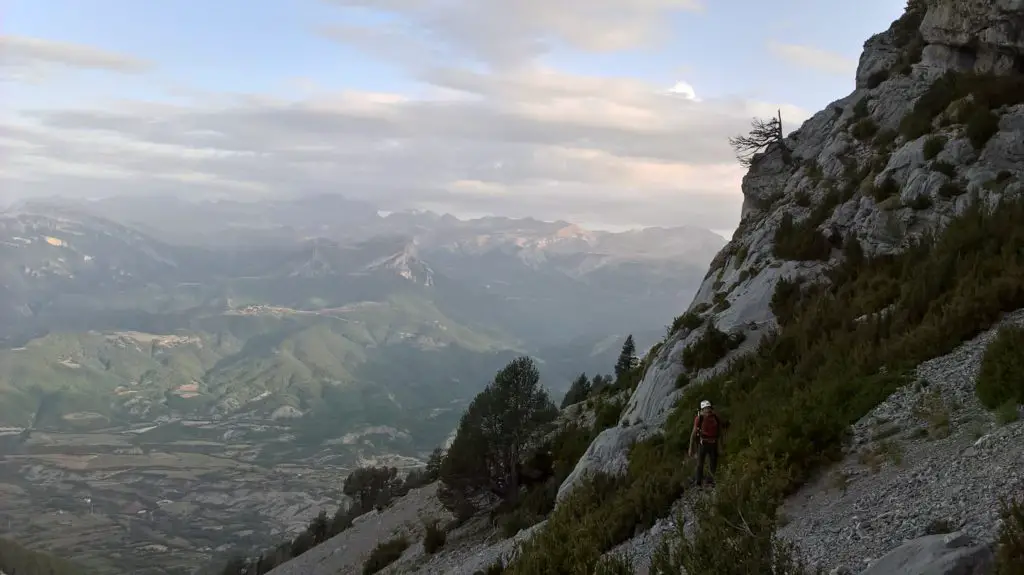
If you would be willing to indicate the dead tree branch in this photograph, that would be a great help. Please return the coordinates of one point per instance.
(762, 134)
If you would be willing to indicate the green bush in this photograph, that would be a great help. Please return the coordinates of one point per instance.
(434, 538)
(987, 93)
(951, 189)
(385, 554)
(920, 202)
(944, 168)
(800, 241)
(1000, 379)
(607, 414)
(876, 78)
(711, 347)
(864, 129)
(688, 320)
(887, 189)
(933, 146)
(1010, 541)
(981, 126)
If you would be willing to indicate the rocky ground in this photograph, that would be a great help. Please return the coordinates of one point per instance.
(928, 459)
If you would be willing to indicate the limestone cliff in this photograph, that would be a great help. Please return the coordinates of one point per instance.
(898, 157)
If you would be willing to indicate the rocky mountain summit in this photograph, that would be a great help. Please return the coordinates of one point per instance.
(932, 138)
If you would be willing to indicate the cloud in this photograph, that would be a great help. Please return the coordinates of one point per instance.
(814, 58)
(506, 33)
(25, 56)
(512, 137)
(535, 141)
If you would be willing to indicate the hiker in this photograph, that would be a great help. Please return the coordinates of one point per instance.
(707, 428)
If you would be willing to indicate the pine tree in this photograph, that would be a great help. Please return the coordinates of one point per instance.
(496, 430)
(578, 391)
(627, 358)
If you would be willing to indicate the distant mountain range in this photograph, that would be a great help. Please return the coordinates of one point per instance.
(129, 311)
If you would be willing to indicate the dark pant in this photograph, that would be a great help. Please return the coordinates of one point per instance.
(709, 451)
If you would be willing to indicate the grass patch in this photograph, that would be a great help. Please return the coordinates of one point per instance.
(884, 451)
(932, 409)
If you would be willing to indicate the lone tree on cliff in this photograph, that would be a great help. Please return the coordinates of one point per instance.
(497, 430)
(762, 134)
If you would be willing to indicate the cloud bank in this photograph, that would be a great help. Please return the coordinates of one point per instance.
(494, 128)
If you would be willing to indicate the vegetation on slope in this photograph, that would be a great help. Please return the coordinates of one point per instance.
(794, 399)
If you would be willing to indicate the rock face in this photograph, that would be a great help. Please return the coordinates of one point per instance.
(953, 554)
(853, 172)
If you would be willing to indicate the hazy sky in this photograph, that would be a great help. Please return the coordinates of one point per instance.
(605, 112)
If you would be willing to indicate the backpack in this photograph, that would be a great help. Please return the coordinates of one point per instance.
(708, 427)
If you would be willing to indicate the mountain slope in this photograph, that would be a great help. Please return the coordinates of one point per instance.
(875, 240)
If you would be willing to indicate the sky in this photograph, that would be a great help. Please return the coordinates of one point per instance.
(608, 113)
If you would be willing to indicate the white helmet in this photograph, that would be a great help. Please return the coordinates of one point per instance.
(705, 403)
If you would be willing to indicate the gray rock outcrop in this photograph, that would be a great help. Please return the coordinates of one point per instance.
(952, 554)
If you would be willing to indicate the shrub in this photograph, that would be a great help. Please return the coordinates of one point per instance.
(981, 126)
(987, 92)
(433, 538)
(951, 189)
(999, 380)
(731, 538)
(876, 78)
(800, 242)
(933, 146)
(1007, 413)
(864, 129)
(1010, 541)
(689, 320)
(920, 202)
(607, 414)
(711, 347)
(944, 168)
(887, 189)
(802, 199)
(385, 554)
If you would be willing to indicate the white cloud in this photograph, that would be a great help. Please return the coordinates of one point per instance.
(515, 138)
(510, 32)
(814, 58)
(26, 54)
